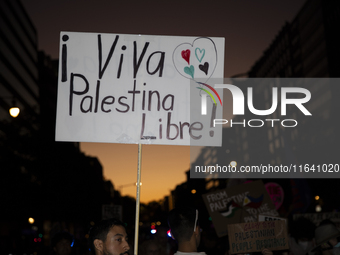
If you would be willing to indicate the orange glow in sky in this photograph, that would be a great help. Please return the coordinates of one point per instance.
(163, 167)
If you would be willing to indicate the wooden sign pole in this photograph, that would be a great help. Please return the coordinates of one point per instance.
(138, 198)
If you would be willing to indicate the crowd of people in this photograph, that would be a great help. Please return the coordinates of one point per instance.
(109, 237)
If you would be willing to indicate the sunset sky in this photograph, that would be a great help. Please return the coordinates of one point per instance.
(248, 26)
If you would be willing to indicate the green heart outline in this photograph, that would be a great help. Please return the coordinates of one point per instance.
(200, 59)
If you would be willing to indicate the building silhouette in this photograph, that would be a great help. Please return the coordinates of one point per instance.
(306, 47)
(52, 182)
(18, 59)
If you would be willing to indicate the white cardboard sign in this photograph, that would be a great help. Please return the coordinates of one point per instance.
(138, 89)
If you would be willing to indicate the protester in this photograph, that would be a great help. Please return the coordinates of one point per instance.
(211, 244)
(327, 239)
(168, 246)
(61, 243)
(109, 237)
(301, 240)
(185, 230)
(150, 247)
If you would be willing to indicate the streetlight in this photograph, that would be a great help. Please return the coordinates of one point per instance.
(126, 185)
(14, 110)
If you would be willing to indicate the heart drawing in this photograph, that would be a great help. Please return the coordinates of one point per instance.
(199, 54)
(196, 60)
(187, 59)
(190, 70)
(204, 67)
(186, 55)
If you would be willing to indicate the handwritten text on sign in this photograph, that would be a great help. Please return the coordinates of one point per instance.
(255, 236)
(238, 204)
(136, 88)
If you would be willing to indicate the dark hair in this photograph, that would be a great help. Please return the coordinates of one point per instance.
(303, 228)
(181, 222)
(146, 244)
(60, 236)
(100, 230)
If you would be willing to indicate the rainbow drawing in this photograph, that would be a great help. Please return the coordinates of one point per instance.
(213, 90)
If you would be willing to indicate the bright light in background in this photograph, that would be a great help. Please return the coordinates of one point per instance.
(193, 191)
(31, 220)
(153, 231)
(318, 208)
(14, 112)
(158, 223)
(317, 197)
(233, 163)
(169, 233)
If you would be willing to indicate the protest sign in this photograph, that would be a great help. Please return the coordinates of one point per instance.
(238, 204)
(316, 218)
(276, 193)
(255, 236)
(263, 217)
(136, 88)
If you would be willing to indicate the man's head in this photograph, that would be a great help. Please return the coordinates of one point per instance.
(150, 247)
(61, 243)
(184, 224)
(161, 235)
(109, 237)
